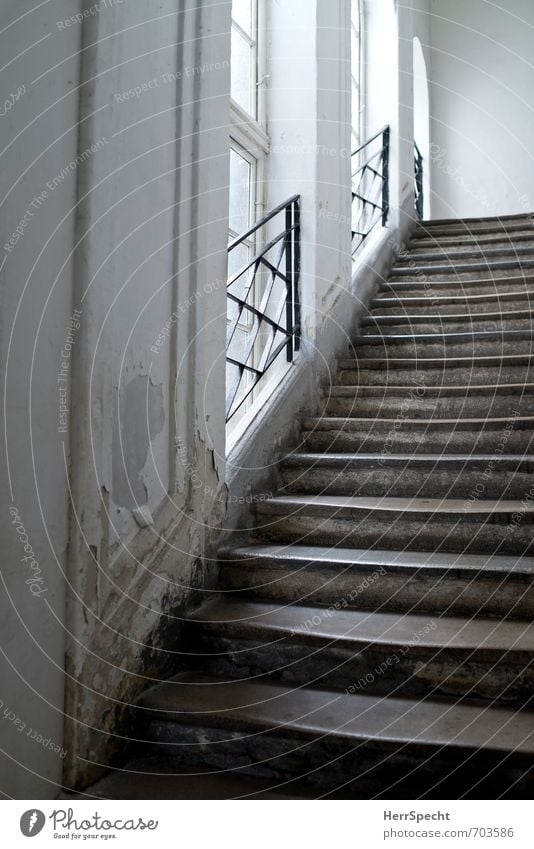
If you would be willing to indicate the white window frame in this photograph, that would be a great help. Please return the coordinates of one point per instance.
(247, 131)
(357, 126)
(248, 137)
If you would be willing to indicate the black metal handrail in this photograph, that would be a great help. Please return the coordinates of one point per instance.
(271, 304)
(418, 182)
(370, 187)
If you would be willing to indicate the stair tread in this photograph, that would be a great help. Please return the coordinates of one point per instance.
(393, 560)
(470, 241)
(471, 282)
(421, 300)
(461, 252)
(365, 339)
(355, 626)
(308, 711)
(343, 459)
(459, 267)
(158, 778)
(463, 422)
(426, 223)
(441, 317)
(414, 361)
(401, 505)
(489, 389)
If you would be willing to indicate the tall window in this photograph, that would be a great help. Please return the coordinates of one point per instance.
(356, 71)
(249, 142)
(245, 55)
(249, 145)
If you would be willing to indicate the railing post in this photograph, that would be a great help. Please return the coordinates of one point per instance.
(296, 272)
(419, 174)
(385, 172)
(289, 282)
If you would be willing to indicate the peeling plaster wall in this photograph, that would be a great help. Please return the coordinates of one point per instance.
(148, 435)
(139, 418)
(39, 140)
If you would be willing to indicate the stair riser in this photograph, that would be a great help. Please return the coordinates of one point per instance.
(364, 767)
(363, 528)
(449, 244)
(394, 482)
(419, 376)
(463, 270)
(453, 256)
(394, 347)
(469, 406)
(438, 285)
(408, 325)
(506, 228)
(461, 306)
(405, 670)
(408, 440)
(421, 590)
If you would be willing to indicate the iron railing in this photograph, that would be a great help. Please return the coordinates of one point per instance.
(418, 182)
(263, 301)
(370, 186)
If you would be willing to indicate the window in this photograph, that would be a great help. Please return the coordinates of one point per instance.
(249, 146)
(356, 72)
(247, 99)
(245, 55)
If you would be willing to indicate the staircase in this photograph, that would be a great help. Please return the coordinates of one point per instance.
(374, 637)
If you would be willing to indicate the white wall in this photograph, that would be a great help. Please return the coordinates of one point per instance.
(133, 236)
(482, 103)
(148, 431)
(39, 139)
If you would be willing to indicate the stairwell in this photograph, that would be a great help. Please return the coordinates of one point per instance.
(374, 636)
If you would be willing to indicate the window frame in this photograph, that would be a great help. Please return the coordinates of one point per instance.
(248, 134)
(357, 127)
(247, 131)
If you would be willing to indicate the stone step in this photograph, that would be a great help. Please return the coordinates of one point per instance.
(412, 436)
(465, 302)
(384, 390)
(437, 370)
(453, 256)
(489, 282)
(424, 243)
(525, 218)
(472, 228)
(425, 476)
(381, 580)
(157, 778)
(427, 402)
(432, 376)
(399, 654)
(441, 524)
(459, 343)
(421, 322)
(473, 272)
(331, 739)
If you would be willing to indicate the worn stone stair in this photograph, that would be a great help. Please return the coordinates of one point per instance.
(373, 636)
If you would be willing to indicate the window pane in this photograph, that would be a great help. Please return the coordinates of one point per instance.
(242, 73)
(242, 15)
(240, 189)
(355, 72)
